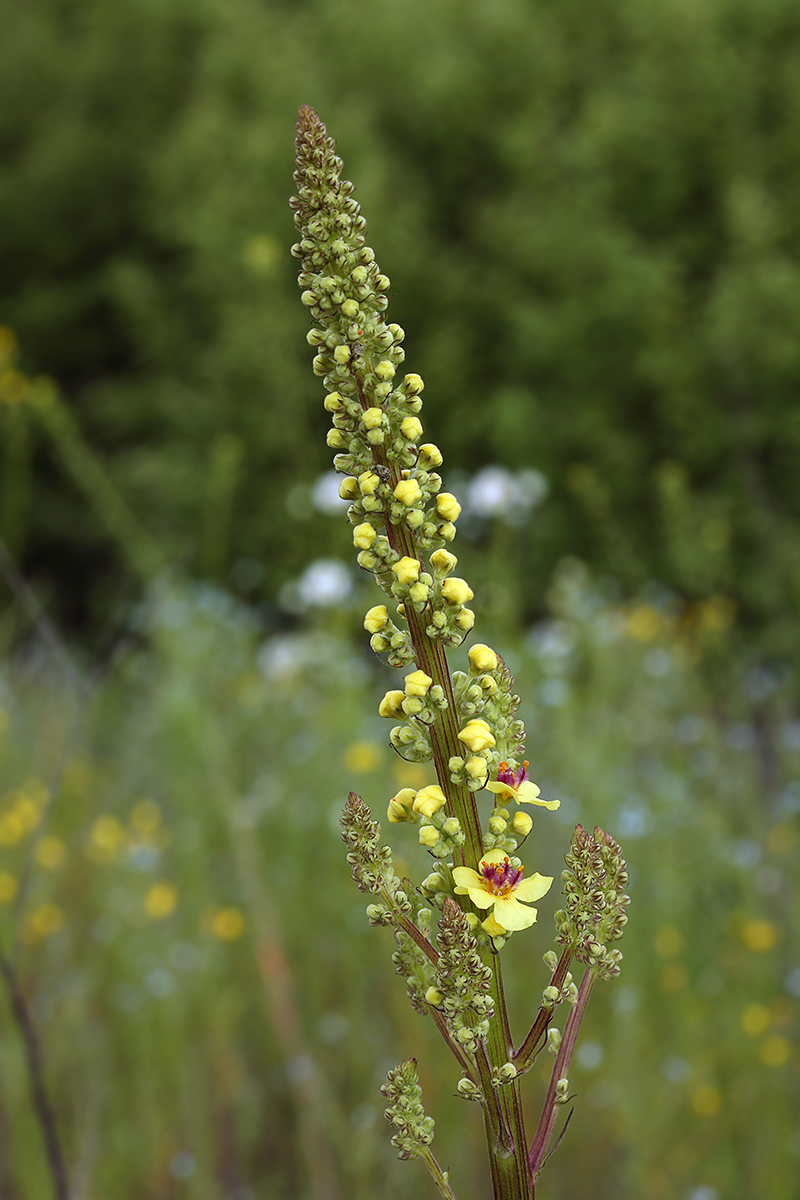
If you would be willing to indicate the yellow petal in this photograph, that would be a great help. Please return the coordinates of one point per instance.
(512, 915)
(533, 887)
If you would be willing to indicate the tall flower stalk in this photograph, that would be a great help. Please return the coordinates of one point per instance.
(451, 928)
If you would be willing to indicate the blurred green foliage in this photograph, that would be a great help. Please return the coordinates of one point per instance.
(589, 212)
(215, 1014)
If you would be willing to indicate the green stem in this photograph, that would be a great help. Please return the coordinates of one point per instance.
(560, 1071)
(439, 1176)
(522, 1058)
(510, 1173)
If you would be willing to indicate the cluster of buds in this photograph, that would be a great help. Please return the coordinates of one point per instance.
(462, 982)
(413, 1128)
(596, 904)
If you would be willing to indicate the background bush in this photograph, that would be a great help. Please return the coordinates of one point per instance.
(589, 212)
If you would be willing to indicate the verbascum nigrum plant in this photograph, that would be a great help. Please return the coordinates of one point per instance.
(449, 928)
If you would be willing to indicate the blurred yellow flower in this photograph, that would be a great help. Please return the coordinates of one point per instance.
(146, 817)
(706, 1100)
(718, 612)
(8, 887)
(775, 1051)
(8, 342)
(227, 924)
(14, 386)
(361, 757)
(759, 936)
(412, 775)
(755, 1019)
(50, 853)
(106, 839)
(41, 923)
(12, 828)
(668, 941)
(160, 900)
(644, 623)
(261, 253)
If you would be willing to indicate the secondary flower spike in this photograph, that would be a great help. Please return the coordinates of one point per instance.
(499, 884)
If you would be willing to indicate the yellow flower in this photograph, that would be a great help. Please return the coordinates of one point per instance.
(499, 885)
(407, 492)
(456, 591)
(482, 658)
(376, 619)
(429, 800)
(8, 887)
(515, 785)
(407, 569)
(227, 924)
(160, 900)
(476, 735)
(418, 683)
(447, 506)
(391, 705)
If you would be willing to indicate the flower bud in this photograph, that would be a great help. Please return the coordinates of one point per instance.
(350, 309)
(413, 385)
(411, 428)
(465, 619)
(443, 561)
(418, 683)
(407, 570)
(391, 705)
(447, 531)
(482, 658)
(429, 800)
(368, 483)
(348, 488)
(363, 536)
(476, 735)
(456, 591)
(376, 619)
(430, 455)
(385, 370)
(371, 418)
(447, 506)
(333, 402)
(335, 439)
(341, 355)
(407, 492)
(477, 767)
(428, 836)
(521, 824)
(400, 806)
(434, 997)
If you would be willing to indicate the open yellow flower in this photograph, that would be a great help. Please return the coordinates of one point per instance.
(499, 885)
(515, 785)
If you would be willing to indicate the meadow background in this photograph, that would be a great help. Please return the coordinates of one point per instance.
(590, 214)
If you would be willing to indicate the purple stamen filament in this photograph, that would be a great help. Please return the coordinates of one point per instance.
(501, 876)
